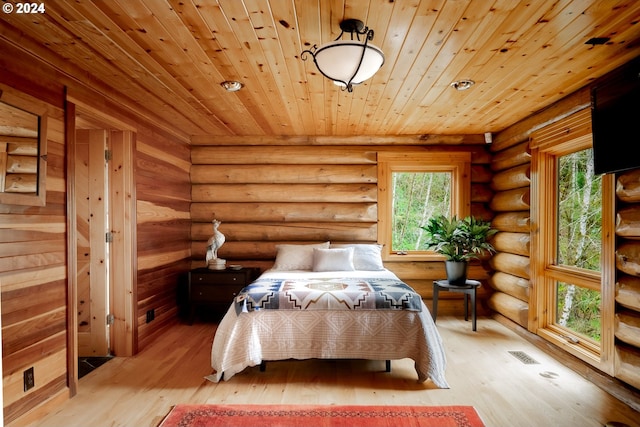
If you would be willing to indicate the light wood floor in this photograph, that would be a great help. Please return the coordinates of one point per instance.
(140, 391)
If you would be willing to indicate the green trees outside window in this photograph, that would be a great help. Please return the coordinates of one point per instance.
(417, 196)
(579, 231)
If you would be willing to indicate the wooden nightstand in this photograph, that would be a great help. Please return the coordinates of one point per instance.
(217, 288)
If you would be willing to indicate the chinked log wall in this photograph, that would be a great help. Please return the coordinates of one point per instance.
(266, 195)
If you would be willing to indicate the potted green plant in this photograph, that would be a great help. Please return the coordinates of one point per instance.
(459, 240)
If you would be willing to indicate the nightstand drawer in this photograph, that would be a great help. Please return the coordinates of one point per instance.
(220, 278)
(214, 293)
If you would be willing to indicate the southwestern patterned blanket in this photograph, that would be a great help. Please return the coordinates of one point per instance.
(328, 293)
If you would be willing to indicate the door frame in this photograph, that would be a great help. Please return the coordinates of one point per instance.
(123, 260)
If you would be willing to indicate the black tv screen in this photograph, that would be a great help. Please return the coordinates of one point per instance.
(615, 114)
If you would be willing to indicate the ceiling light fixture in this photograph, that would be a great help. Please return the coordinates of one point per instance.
(462, 84)
(348, 62)
(231, 85)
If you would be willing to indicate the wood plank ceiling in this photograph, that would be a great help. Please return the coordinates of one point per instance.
(168, 58)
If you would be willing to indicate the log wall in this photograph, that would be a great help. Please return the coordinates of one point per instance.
(511, 203)
(627, 321)
(511, 166)
(34, 241)
(510, 280)
(266, 195)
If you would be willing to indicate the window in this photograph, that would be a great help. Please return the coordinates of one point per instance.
(572, 258)
(579, 239)
(412, 187)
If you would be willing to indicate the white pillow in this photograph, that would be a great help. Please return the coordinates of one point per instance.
(296, 257)
(365, 256)
(333, 259)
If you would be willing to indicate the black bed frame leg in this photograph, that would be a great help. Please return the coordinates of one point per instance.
(263, 366)
(388, 365)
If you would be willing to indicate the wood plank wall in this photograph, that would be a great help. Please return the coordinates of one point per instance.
(33, 267)
(163, 197)
(33, 240)
(266, 195)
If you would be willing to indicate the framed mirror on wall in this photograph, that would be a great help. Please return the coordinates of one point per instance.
(23, 149)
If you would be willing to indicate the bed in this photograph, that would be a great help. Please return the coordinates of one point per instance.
(328, 302)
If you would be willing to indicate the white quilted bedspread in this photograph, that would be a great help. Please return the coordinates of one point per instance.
(246, 339)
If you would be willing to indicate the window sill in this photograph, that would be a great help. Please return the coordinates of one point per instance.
(410, 257)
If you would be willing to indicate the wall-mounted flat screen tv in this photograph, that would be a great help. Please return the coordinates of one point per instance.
(615, 114)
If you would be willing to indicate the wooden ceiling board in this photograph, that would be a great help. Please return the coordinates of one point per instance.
(498, 53)
(167, 58)
(445, 66)
(330, 12)
(349, 107)
(159, 31)
(368, 96)
(537, 45)
(567, 55)
(112, 54)
(478, 50)
(269, 96)
(221, 103)
(401, 43)
(247, 66)
(17, 36)
(276, 28)
(307, 28)
(492, 56)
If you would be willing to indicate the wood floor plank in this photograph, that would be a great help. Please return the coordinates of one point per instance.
(141, 390)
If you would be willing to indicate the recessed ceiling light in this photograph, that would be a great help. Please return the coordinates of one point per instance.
(231, 85)
(462, 84)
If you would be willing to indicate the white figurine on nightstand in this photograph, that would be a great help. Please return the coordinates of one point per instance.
(214, 243)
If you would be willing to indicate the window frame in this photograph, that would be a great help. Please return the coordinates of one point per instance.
(456, 163)
(547, 145)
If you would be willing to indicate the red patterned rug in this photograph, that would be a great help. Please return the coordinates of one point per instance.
(321, 416)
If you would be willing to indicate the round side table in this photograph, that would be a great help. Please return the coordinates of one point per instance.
(468, 289)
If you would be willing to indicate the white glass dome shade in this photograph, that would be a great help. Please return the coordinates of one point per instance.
(339, 61)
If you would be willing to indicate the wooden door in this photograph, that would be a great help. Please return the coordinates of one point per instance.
(92, 227)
